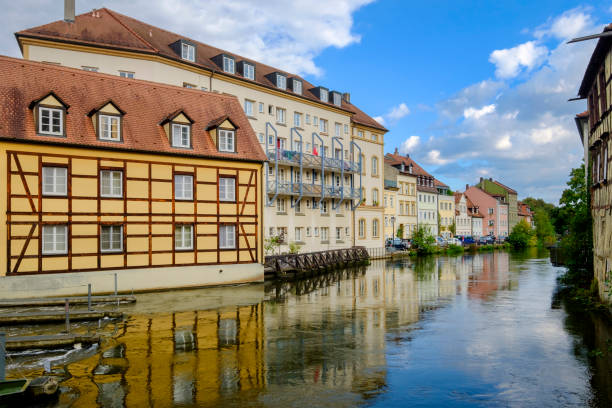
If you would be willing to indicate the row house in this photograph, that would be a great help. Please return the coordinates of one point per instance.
(446, 210)
(421, 198)
(493, 208)
(463, 220)
(595, 128)
(400, 202)
(323, 177)
(106, 176)
(525, 214)
(508, 195)
(476, 217)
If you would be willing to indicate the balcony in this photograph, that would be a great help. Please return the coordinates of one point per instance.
(310, 161)
(313, 190)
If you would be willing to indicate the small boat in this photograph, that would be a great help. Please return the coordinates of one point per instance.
(13, 387)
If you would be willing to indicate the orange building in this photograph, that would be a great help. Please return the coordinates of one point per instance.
(105, 175)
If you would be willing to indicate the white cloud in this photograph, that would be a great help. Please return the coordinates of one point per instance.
(409, 144)
(568, 25)
(395, 114)
(434, 157)
(474, 113)
(529, 141)
(503, 143)
(262, 32)
(510, 61)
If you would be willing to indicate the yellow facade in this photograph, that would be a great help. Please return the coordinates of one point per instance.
(390, 204)
(148, 210)
(446, 215)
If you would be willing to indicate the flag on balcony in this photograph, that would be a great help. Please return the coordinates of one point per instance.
(314, 150)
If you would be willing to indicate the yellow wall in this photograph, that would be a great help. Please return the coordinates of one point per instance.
(148, 224)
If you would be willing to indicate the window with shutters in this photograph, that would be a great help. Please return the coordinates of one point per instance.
(227, 189)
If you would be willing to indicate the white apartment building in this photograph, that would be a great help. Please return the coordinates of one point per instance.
(316, 140)
(463, 221)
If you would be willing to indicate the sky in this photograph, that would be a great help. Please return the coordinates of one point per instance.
(468, 89)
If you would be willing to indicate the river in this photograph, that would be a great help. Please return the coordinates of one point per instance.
(473, 330)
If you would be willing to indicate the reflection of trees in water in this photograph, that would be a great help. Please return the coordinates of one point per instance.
(592, 333)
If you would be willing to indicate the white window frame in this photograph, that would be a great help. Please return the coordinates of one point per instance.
(248, 71)
(111, 241)
(323, 125)
(298, 233)
(227, 139)
(324, 233)
(261, 107)
(227, 241)
(188, 52)
(53, 188)
(324, 94)
(281, 115)
(248, 107)
(180, 192)
(337, 99)
(177, 135)
(229, 65)
(281, 81)
(297, 86)
(297, 119)
(338, 129)
(227, 189)
(185, 230)
(56, 230)
(127, 74)
(110, 173)
(109, 135)
(51, 112)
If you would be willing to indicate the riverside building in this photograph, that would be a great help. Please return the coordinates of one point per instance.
(107, 175)
(323, 177)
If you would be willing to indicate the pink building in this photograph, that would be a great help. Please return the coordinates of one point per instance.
(488, 207)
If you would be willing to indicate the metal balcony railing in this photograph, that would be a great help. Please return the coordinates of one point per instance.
(292, 158)
(313, 190)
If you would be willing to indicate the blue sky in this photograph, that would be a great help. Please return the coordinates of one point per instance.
(469, 89)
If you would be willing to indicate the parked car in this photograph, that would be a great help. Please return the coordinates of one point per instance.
(396, 243)
(453, 241)
(468, 240)
(486, 240)
(440, 241)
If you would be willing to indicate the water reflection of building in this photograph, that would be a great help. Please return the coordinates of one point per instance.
(490, 272)
(334, 335)
(189, 358)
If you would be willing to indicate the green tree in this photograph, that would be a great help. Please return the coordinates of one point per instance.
(423, 241)
(544, 228)
(400, 231)
(577, 241)
(453, 228)
(271, 244)
(522, 236)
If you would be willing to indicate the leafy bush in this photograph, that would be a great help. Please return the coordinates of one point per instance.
(454, 249)
(294, 248)
(423, 241)
(522, 236)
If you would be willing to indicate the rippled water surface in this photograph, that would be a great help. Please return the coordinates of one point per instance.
(476, 330)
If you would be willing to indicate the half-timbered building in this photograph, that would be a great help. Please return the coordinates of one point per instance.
(105, 176)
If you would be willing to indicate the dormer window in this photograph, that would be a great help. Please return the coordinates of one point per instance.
(188, 52)
(110, 127)
(248, 71)
(181, 135)
(226, 140)
(281, 81)
(337, 98)
(229, 65)
(297, 86)
(50, 121)
(323, 95)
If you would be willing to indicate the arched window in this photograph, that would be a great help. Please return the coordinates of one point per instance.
(375, 197)
(362, 226)
(374, 166)
(375, 227)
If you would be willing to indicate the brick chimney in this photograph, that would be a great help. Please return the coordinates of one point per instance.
(347, 97)
(395, 152)
(69, 11)
(467, 186)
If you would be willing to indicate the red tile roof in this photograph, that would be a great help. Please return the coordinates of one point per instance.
(470, 205)
(396, 160)
(584, 114)
(109, 29)
(145, 105)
